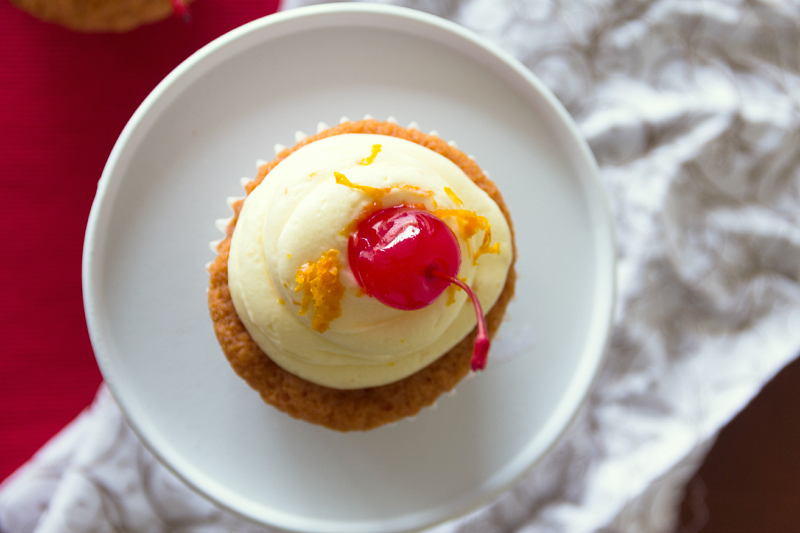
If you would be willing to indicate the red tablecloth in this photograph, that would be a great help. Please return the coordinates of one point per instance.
(64, 99)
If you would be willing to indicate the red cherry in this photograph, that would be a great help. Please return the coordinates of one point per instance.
(406, 258)
(392, 250)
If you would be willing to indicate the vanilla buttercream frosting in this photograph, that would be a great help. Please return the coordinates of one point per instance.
(299, 213)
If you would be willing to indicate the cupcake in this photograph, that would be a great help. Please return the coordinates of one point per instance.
(103, 15)
(350, 287)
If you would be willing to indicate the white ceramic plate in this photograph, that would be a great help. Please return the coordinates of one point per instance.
(182, 154)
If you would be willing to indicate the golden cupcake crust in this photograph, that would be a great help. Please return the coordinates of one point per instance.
(359, 409)
(98, 15)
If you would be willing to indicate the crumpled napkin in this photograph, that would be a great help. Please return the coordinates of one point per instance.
(688, 108)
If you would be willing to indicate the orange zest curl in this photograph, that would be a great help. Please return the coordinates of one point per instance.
(449, 192)
(320, 285)
(470, 223)
(372, 192)
(378, 193)
(376, 148)
(486, 247)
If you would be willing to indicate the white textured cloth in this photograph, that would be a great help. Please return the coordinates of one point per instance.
(691, 108)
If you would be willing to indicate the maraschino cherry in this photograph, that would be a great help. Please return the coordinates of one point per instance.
(405, 258)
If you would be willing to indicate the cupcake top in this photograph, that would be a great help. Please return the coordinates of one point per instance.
(291, 281)
(103, 15)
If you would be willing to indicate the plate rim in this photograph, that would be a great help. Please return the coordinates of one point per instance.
(574, 396)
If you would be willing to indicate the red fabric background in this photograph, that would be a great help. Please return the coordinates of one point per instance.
(64, 99)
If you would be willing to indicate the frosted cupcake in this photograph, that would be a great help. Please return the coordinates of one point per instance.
(340, 292)
(104, 15)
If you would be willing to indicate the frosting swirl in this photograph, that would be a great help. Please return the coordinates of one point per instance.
(302, 211)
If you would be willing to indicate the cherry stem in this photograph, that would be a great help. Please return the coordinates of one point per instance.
(181, 10)
(481, 351)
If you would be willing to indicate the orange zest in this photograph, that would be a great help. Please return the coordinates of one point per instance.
(377, 194)
(372, 192)
(376, 148)
(470, 223)
(451, 292)
(320, 285)
(486, 247)
(449, 192)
